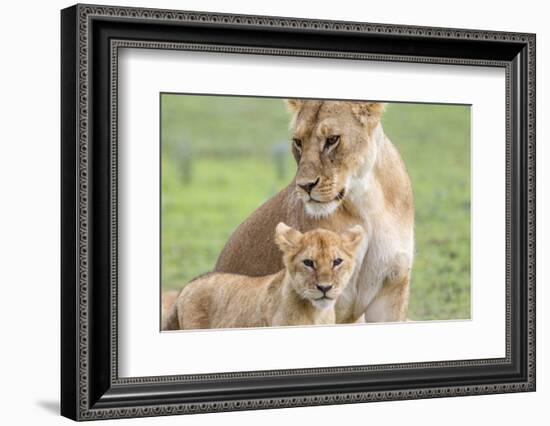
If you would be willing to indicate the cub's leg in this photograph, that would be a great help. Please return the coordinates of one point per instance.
(392, 301)
(188, 312)
(193, 310)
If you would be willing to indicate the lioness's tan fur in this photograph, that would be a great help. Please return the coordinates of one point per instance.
(292, 296)
(377, 194)
(167, 300)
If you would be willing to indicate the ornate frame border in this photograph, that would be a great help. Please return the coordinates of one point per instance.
(118, 44)
(85, 14)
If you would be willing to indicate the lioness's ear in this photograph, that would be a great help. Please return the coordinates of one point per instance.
(365, 110)
(287, 238)
(353, 237)
(294, 105)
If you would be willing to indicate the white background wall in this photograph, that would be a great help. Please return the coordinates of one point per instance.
(29, 211)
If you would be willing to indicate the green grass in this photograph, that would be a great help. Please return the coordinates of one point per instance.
(217, 124)
(435, 144)
(218, 166)
(198, 218)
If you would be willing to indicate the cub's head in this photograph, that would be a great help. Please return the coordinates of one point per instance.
(334, 144)
(320, 262)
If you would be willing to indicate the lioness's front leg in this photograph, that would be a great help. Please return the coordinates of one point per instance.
(392, 301)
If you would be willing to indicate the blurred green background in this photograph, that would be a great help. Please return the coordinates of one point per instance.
(222, 157)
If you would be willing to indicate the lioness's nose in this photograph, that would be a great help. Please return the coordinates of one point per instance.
(324, 288)
(308, 185)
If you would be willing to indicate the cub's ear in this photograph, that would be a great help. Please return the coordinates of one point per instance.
(353, 237)
(368, 110)
(287, 238)
(294, 105)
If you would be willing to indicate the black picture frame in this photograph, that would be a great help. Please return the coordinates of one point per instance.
(90, 386)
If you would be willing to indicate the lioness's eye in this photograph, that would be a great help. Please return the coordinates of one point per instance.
(297, 143)
(309, 263)
(336, 262)
(331, 141)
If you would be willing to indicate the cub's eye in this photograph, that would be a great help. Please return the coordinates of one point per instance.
(309, 263)
(336, 262)
(332, 141)
(297, 143)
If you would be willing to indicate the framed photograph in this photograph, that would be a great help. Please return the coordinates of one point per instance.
(263, 212)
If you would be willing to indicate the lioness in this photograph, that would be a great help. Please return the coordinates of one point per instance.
(318, 265)
(348, 173)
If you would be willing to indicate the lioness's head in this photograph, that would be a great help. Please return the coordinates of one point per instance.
(334, 144)
(319, 262)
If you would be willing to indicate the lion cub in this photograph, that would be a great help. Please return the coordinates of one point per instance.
(318, 265)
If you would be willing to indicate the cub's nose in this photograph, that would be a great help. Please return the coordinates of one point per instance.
(324, 288)
(308, 185)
